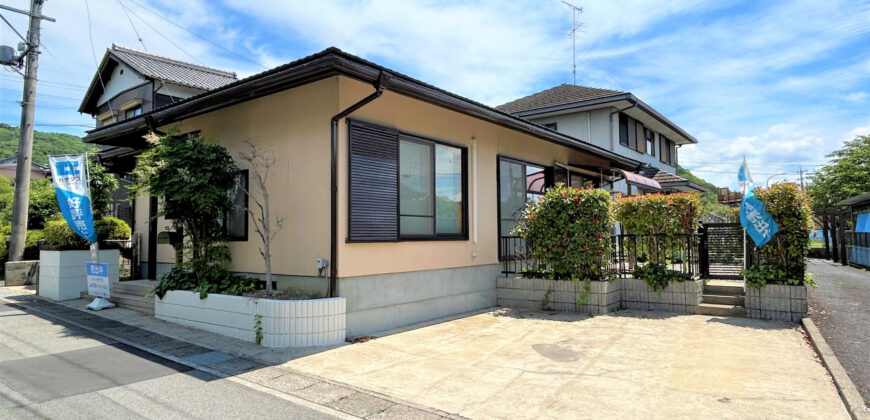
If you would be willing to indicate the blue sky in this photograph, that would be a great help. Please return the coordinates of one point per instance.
(783, 82)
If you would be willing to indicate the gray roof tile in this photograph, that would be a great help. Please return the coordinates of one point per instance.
(559, 95)
(173, 71)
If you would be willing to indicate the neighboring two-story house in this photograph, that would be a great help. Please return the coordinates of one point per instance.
(129, 83)
(618, 122)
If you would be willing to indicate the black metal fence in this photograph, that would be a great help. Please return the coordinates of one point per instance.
(679, 253)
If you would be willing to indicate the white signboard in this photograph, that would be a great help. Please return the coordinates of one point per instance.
(98, 279)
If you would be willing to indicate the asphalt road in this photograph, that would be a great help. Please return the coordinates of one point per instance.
(840, 306)
(51, 370)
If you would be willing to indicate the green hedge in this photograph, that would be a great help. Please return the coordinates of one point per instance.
(58, 232)
(783, 259)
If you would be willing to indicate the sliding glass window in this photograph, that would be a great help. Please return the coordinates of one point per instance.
(431, 196)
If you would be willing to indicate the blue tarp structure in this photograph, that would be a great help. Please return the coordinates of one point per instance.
(859, 249)
(863, 223)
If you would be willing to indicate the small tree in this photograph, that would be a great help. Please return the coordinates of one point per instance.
(261, 160)
(193, 178)
(103, 184)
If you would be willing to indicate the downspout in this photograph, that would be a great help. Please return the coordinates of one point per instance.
(379, 86)
(612, 144)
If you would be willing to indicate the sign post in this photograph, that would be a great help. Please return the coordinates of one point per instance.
(70, 177)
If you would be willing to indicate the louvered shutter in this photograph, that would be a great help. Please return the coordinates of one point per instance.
(373, 196)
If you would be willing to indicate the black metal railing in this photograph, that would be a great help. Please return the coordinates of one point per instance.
(679, 253)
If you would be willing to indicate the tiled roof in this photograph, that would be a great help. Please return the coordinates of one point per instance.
(173, 71)
(559, 95)
(661, 176)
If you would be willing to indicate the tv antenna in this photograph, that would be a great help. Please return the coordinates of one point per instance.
(574, 27)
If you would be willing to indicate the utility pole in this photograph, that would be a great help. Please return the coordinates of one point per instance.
(802, 177)
(574, 27)
(25, 139)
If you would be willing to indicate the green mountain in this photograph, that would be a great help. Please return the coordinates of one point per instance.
(44, 144)
(709, 199)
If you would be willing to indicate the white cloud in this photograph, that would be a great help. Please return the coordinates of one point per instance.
(856, 97)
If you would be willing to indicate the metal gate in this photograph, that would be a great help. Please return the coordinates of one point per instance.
(721, 250)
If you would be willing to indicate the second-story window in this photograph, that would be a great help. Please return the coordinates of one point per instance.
(668, 151)
(650, 137)
(132, 112)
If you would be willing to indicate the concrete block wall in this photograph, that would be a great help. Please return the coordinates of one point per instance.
(516, 292)
(19, 273)
(603, 297)
(777, 302)
(284, 323)
(62, 273)
(385, 301)
(680, 297)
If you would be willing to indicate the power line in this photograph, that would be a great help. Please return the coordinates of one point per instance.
(94, 54)
(757, 164)
(139, 37)
(166, 38)
(194, 34)
(41, 95)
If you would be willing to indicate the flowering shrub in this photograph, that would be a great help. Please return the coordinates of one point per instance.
(568, 230)
(783, 258)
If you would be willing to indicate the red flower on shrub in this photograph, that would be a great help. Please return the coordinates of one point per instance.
(531, 216)
(564, 194)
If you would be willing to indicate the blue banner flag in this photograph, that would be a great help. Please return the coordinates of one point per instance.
(70, 177)
(743, 177)
(759, 224)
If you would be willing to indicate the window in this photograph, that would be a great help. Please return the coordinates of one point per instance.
(404, 187)
(132, 112)
(623, 129)
(576, 180)
(629, 131)
(552, 126)
(668, 151)
(236, 221)
(430, 188)
(650, 137)
(518, 183)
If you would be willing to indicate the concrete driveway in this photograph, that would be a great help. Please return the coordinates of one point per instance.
(634, 364)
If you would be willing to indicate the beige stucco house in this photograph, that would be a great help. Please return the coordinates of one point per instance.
(406, 189)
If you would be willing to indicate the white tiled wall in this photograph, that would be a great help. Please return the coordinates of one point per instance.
(285, 323)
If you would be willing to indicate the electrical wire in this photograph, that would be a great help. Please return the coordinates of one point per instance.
(194, 34)
(166, 38)
(94, 54)
(126, 13)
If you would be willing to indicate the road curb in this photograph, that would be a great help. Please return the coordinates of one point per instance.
(323, 408)
(847, 390)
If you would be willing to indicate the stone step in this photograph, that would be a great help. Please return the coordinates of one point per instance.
(723, 299)
(724, 287)
(136, 303)
(129, 288)
(715, 309)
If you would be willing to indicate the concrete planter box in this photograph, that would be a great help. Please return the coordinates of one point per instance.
(284, 323)
(62, 273)
(602, 298)
(777, 302)
(20, 273)
(680, 297)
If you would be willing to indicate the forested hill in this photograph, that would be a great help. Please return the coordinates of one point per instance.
(44, 144)
(710, 196)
